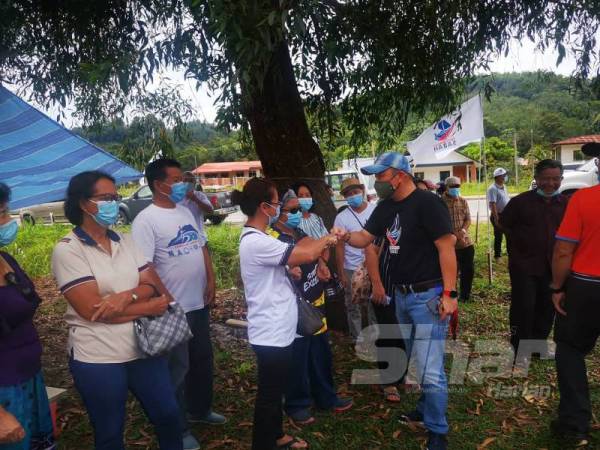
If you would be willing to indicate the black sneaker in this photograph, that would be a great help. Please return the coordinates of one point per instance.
(414, 417)
(437, 441)
(573, 438)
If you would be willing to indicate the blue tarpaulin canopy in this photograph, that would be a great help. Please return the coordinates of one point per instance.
(38, 156)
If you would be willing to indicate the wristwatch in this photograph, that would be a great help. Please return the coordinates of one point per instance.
(556, 290)
(452, 294)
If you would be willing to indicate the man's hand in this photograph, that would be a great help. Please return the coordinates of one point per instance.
(112, 305)
(190, 195)
(378, 294)
(210, 292)
(344, 279)
(11, 430)
(447, 306)
(323, 272)
(558, 299)
(295, 272)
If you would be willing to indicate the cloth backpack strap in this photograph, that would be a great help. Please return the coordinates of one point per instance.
(356, 217)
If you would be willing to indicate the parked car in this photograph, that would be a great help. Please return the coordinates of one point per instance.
(586, 175)
(334, 179)
(46, 213)
(131, 206)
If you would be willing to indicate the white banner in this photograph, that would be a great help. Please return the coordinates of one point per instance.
(459, 128)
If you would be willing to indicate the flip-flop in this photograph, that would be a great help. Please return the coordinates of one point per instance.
(391, 394)
(288, 445)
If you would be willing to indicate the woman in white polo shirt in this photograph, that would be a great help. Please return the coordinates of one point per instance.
(108, 284)
(272, 309)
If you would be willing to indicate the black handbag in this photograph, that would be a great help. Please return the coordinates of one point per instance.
(310, 318)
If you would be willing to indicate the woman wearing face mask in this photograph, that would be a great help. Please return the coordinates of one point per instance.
(310, 379)
(25, 422)
(310, 223)
(272, 308)
(108, 284)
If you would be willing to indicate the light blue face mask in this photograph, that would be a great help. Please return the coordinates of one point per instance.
(108, 212)
(8, 233)
(178, 191)
(306, 203)
(355, 201)
(541, 192)
(293, 220)
(454, 192)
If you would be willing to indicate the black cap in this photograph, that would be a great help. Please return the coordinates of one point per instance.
(591, 149)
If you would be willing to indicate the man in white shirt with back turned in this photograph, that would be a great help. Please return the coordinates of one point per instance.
(196, 201)
(170, 239)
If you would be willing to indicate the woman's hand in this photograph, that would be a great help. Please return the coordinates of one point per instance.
(295, 272)
(323, 272)
(157, 305)
(11, 430)
(112, 305)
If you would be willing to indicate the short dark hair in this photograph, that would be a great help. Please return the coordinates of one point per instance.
(255, 192)
(297, 185)
(157, 170)
(81, 187)
(5, 193)
(547, 164)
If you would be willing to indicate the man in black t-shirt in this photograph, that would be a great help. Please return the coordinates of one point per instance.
(418, 269)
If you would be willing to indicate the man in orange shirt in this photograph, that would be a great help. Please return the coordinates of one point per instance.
(576, 297)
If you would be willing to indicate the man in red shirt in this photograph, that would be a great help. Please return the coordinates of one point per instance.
(576, 297)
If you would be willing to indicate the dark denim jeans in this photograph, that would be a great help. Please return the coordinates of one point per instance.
(191, 367)
(311, 375)
(104, 387)
(425, 339)
(273, 365)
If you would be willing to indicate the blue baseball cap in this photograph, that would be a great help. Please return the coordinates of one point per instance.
(387, 160)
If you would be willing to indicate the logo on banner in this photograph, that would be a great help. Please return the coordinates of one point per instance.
(444, 130)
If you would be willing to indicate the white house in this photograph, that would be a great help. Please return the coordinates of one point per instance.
(569, 150)
(428, 167)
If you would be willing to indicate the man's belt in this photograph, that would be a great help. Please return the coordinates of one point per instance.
(415, 288)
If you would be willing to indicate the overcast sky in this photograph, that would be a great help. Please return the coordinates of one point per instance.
(522, 57)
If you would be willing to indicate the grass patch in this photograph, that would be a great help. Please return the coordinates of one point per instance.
(34, 245)
(467, 189)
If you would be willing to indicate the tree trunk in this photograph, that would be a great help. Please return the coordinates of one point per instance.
(286, 149)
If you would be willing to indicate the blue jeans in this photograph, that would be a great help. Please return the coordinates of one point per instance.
(104, 387)
(425, 339)
(191, 368)
(311, 375)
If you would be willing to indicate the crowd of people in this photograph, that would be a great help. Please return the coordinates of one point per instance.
(404, 262)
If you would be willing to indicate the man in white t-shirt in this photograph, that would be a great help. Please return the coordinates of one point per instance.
(168, 235)
(196, 201)
(348, 259)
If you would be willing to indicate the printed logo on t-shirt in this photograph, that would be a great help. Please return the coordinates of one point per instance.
(185, 242)
(393, 235)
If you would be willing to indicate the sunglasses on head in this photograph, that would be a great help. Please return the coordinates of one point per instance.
(293, 210)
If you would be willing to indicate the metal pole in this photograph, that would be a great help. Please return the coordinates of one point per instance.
(516, 158)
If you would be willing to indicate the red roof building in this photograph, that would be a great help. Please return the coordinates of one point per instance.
(568, 151)
(233, 173)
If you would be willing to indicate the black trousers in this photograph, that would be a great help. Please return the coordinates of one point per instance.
(465, 258)
(386, 315)
(199, 396)
(575, 335)
(498, 234)
(531, 309)
(273, 370)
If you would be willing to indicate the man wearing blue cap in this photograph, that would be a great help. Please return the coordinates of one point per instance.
(418, 268)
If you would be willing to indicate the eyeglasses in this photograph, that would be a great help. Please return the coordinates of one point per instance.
(293, 210)
(107, 197)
